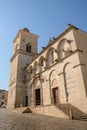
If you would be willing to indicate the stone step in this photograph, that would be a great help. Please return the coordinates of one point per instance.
(71, 111)
(56, 110)
(22, 110)
(50, 110)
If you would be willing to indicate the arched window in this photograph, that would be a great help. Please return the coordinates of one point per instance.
(35, 67)
(28, 47)
(50, 57)
(64, 49)
(30, 70)
(42, 62)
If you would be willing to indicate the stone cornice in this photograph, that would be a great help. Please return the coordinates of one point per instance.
(81, 64)
(14, 55)
(70, 27)
(58, 62)
(23, 52)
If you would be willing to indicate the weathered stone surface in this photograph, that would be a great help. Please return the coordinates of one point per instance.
(57, 75)
(13, 121)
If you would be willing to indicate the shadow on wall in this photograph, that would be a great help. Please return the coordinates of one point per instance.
(72, 111)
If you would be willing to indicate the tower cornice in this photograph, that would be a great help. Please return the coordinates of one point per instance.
(23, 52)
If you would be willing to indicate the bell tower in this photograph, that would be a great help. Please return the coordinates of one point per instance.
(25, 49)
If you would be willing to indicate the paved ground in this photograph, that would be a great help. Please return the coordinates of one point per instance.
(14, 121)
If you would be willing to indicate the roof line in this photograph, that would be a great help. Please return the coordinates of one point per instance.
(69, 27)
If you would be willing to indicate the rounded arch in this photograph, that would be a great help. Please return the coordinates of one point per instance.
(60, 48)
(62, 40)
(65, 82)
(37, 91)
(48, 51)
(54, 82)
(52, 76)
(53, 86)
(64, 48)
(37, 82)
(35, 67)
(28, 47)
(70, 82)
(41, 60)
(41, 63)
(50, 56)
(65, 66)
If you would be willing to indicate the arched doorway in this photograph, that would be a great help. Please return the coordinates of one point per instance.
(37, 97)
(54, 89)
(37, 92)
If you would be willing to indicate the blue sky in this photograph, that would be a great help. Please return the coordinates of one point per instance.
(46, 18)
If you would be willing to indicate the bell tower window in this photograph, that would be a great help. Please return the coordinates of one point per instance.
(28, 47)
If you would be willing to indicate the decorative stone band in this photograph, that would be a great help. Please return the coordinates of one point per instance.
(21, 51)
(79, 65)
(61, 73)
(11, 83)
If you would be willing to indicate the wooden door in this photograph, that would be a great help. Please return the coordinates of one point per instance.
(37, 96)
(55, 95)
(26, 101)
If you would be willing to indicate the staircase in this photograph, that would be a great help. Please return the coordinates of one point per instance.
(57, 110)
(71, 111)
(50, 110)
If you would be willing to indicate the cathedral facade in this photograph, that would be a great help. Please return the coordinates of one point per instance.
(55, 77)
